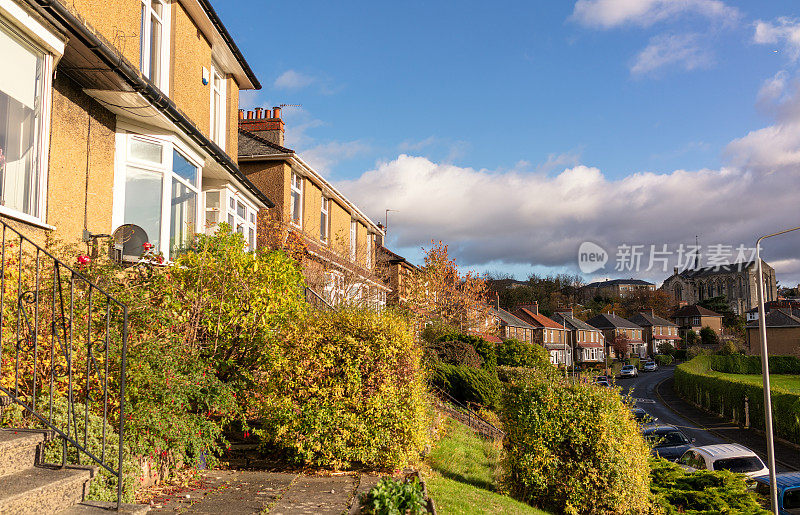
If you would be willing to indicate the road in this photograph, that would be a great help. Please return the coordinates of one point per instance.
(643, 389)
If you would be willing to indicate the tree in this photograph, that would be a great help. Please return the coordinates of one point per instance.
(719, 304)
(691, 338)
(621, 345)
(708, 336)
(666, 348)
(440, 292)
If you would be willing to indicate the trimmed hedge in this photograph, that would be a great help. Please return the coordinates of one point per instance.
(740, 364)
(468, 384)
(725, 396)
(574, 448)
(662, 359)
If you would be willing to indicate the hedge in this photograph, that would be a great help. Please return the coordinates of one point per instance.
(726, 397)
(740, 364)
(663, 359)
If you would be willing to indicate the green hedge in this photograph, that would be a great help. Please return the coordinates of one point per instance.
(573, 448)
(725, 396)
(468, 384)
(740, 364)
(662, 359)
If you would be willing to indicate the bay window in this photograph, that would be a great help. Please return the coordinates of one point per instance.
(24, 115)
(158, 192)
(154, 48)
(226, 204)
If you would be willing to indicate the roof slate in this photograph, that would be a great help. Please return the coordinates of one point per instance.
(778, 318)
(695, 311)
(572, 323)
(538, 318)
(251, 145)
(510, 319)
(611, 320)
(648, 320)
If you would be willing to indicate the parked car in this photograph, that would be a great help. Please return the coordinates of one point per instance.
(628, 371)
(642, 417)
(788, 491)
(649, 366)
(602, 382)
(729, 456)
(667, 441)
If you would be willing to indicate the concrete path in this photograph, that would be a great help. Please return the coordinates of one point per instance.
(253, 491)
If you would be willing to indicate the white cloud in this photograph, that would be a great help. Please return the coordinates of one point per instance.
(683, 50)
(324, 156)
(435, 147)
(526, 217)
(606, 14)
(292, 79)
(784, 31)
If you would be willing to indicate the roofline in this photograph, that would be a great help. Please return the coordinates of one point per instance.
(147, 90)
(307, 168)
(237, 54)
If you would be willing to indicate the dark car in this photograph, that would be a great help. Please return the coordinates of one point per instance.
(667, 441)
(788, 491)
(641, 416)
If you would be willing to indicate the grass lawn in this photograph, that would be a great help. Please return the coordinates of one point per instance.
(788, 382)
(463, 476)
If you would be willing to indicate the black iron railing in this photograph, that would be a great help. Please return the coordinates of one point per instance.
(316, 300)
(466, 415)
(63, 341)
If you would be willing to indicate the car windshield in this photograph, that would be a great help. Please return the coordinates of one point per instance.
(791, 500)
(740, 464)
(667, 439)
(627, 367)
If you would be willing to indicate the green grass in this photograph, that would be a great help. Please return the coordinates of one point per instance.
(464, 475)
(787, 382)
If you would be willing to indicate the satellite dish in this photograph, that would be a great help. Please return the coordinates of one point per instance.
(128, 243)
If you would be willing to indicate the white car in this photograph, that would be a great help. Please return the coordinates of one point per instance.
(629, 371)
(728, 456)
(650, 366)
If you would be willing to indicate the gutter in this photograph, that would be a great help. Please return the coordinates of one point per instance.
(145, 88)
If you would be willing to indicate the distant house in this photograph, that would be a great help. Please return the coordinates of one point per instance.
(790, 305)
(656, 330)
(512, 327)
(614, 288)
(550, 333)
(614, 326)
(587, 342)
(783, 334)
(695, 318)
(395, 270)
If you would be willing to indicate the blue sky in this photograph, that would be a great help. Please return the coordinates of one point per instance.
(531, 95)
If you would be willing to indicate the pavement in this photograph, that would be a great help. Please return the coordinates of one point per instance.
(654, 393)
(260, 491)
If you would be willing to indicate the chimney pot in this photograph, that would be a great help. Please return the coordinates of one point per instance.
(258, 113)
(241, 114)
(249, 115)
(267, 113)
(276, 112)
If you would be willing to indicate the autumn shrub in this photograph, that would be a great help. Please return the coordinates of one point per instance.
(573, 448)
(703, 491)
(666, 348)
(697, 350)
(455, 353)
(467, 384)
(663, 359)
(345, 388)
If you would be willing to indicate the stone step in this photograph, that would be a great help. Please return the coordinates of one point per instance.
(43, 489)
(104, 507)
(18, 450)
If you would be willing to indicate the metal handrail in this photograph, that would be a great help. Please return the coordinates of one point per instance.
(316, 300)
(59, 332)
(471, 414)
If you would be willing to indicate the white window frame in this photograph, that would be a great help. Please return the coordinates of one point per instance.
(296, 179)
(369, 250)
(353, 238)
(325, 212)
(218, 121)
(146, 39)
(227, 195)
(28, 29)
(123, 160)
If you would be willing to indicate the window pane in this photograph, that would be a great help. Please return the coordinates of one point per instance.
(183, 216)
(241, 210)
(146, 150)
(232, 203)
(155, 51)
(295, 207)
(252, 238)
(143, 203)
(20, 95)
(183, 168)
(231, 221)
(158, 8)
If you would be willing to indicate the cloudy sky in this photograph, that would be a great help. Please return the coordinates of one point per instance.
(517, 132)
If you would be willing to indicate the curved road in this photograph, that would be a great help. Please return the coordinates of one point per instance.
(643, 390)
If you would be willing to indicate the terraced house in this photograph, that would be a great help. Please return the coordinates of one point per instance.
(547, 332)
(615, 328)
(587, 342)
(120, 117)
(337, 235)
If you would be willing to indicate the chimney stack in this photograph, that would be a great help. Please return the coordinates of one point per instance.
(565, 311)
(241, 114)
(533, 307)
(266, 124)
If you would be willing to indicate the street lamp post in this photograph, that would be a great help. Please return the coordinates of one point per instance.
(762, 329)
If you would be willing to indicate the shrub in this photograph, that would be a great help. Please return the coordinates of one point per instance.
(514, 353)
(392, 496)
(666, 349)
(573, 448)
(740, 364)
(345, 388)
(468, 384)
(485, 350)
(730, 347)
(696, 350)
(695, 381)
(436, 330)
(663, 359)
(677, 491)
(708, 337)
(455, 353)
(691, 338)
(680, 355)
